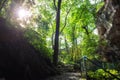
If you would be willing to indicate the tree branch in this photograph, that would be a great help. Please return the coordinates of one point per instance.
(86, 29)
(54, 1)
(65, 20)
(2, 4)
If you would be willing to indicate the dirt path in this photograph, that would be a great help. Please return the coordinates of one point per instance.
(67, 76)
(64, 76)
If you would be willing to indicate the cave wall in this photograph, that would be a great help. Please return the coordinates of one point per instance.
(108, 25)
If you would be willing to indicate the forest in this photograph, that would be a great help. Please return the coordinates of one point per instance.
(59, 39)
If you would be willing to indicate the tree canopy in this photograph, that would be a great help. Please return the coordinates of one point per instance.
(67, 31)
(77, 31)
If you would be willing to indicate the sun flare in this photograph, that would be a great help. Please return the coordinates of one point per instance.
(23, 13)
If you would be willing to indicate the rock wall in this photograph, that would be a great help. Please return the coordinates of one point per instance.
(108, 25)
(18, 59)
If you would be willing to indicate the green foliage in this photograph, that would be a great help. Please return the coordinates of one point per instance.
(81, 14)
(75, 17)
(65, 58)
(99, 6)
(89, 45)
(38, 41)
(100, 74)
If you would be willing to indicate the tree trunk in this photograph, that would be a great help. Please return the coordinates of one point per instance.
(56, 46)
(111, 31)
(66, 45)
(115, 30)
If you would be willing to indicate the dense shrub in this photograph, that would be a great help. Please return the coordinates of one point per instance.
(100, 74)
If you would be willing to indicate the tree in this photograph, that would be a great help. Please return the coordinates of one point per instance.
(56, 45)
(109, 29)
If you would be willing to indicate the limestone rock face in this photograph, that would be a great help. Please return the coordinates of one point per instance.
(108, 25)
